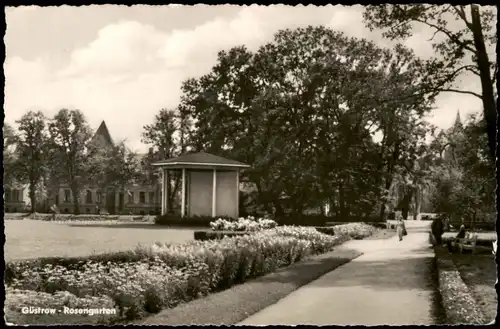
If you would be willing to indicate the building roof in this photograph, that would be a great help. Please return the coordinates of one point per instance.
(104, 132)
(201, 159)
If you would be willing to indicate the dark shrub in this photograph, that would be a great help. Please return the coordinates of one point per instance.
(322, 220)
(216, 235)
(303, 220)
(325, 230)
(191, 221)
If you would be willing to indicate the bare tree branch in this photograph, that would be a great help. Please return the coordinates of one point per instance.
(449, 34)
(461, 92)
(470, 68)
(434, 35)
(461, 13)
(495, 71)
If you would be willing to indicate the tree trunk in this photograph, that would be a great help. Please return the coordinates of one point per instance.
(32, 193)
(278, 208)
(342, 202)
(418, 203)
(75, 192)
(172, 191)
(388, 183)
(483, 64)
(405, 205)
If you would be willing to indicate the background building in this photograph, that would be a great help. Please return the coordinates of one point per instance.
(137, 199)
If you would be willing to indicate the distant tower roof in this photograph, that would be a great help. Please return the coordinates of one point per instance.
(104, 133)
(458, 120)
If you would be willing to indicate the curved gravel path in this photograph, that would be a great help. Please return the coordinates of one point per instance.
(391, 283)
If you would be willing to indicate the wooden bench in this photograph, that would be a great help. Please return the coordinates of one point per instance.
(468, 243)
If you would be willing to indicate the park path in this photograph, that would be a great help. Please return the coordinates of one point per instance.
(391, 283)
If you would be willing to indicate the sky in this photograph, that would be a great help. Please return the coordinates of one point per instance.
(124, 64)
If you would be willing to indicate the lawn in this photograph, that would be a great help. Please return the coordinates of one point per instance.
(32, 238)
(479, 273)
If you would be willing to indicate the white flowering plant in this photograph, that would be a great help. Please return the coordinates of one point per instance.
(354, 230)
(157, 276)
(248, 224)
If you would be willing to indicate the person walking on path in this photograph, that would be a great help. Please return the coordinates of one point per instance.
(400, 228)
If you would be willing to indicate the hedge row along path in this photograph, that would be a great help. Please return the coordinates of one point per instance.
(391, 283)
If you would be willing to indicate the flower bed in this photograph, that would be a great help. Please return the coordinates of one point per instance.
(459, 305)
(379, 224)
(355, 231)
(150, 278)
(249, 224)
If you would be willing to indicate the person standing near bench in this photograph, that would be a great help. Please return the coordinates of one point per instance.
(400, 228)
(437, 230)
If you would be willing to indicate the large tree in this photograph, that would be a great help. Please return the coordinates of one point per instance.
(466, 33)
(70, 137)
(465, 174)
(114, 168)
(32, 146)
(9, 156)
(168, 137)
(302, 110)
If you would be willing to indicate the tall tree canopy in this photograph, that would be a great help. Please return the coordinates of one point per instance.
(71, 156)
(32, 148)
(169, 136)
(464, 174)
(9, 157)
(465, 35)
(302, 110)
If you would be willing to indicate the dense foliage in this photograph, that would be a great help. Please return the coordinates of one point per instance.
(464, 174)
(46, 153)
(333, 127)
(302, 111)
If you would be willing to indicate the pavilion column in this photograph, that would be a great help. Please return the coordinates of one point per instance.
(237, 193)
(164, 192)
(183, 197)
(214, 193)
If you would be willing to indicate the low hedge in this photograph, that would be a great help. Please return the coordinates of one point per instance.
(150, 278)
(284, 220)
(374, 224)
(216, 235)
(322, 220)
(325, 230)
(204, 235)
(187, 221)
(459, 305)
